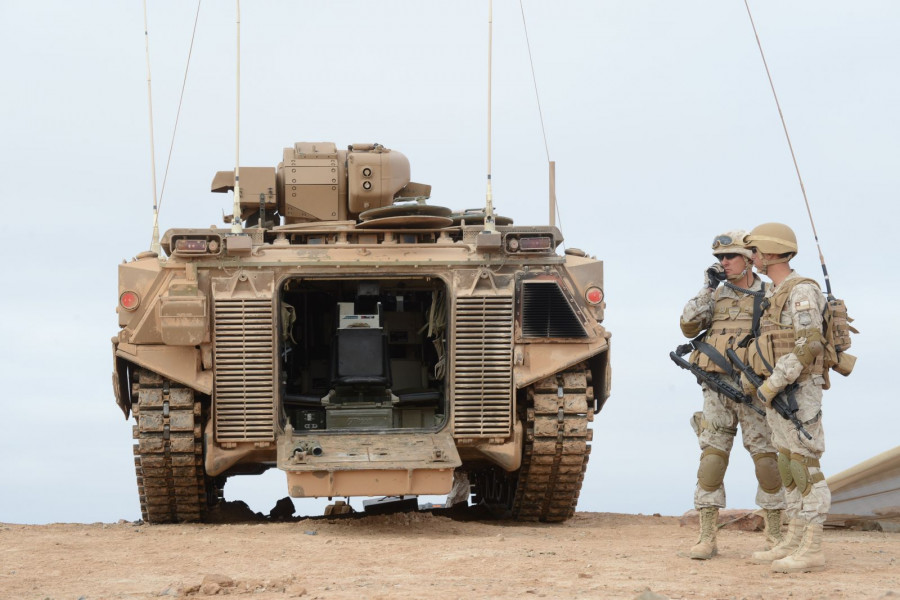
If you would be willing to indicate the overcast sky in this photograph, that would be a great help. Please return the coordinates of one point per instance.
(658, 115)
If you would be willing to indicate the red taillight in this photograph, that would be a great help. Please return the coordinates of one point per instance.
(594, 295)
(129, 300)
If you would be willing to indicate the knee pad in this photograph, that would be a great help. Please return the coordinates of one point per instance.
(784, 469)
(767, 473)
(711, 473)
(800, 472)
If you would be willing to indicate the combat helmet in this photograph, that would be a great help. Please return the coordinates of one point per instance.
(772, 238)
(731, 242)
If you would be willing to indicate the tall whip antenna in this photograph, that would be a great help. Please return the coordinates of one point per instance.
(154, 243)
(489, 201)
(554, 210)
(793, 156)
(162, 190)
(236, 213)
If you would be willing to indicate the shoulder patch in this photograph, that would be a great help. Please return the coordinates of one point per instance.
(802, 305)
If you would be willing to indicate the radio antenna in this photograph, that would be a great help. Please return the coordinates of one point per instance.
(154, 242)
(554, 210)
(489, 226)
(236, 209)
(793, 156)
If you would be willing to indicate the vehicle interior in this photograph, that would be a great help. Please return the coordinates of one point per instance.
(362, 354)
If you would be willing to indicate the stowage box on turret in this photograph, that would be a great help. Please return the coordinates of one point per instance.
(364, 342)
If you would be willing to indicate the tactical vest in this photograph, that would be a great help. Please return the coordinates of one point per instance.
(777, 338)
(732, 321)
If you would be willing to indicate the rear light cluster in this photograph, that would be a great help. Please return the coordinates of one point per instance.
(528, 243)
(129, 300)
(193, 245)
(593, 295)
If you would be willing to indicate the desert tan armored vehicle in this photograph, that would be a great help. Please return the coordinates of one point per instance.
(364, 342)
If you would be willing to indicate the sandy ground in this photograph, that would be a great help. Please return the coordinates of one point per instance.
(424, 555)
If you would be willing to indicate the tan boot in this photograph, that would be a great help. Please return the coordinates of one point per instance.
(773, 528)
(709, 524)
(808, 557)
(789, 543)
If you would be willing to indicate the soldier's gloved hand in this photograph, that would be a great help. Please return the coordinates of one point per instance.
(766, 393)
(747, 386)
(714, 275)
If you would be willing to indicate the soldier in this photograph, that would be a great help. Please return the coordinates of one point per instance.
(789, 350)
(726, 314)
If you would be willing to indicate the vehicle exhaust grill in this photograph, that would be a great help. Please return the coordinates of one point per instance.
(546, 313)
(244, 392)
(482, 370)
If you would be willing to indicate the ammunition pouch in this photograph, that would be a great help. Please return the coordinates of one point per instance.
(811, 348)
(840, 327)
(710, 355)
(845, 363)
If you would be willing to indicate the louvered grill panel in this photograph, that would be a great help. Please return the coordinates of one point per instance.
(482, 373)
(546, 313)
(245, 380)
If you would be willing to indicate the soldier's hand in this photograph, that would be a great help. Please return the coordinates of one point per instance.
(714, 275)
(747, 386)
(766, 393)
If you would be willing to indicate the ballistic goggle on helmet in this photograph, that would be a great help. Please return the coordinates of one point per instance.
(731, 242)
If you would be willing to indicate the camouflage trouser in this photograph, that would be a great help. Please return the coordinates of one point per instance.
(814, 507)
(716, 426)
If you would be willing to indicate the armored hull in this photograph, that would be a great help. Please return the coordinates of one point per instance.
(388, 350)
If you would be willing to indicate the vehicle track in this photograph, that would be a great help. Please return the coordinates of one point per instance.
(168, 461)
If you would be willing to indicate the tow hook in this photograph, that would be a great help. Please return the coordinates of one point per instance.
(303, 449)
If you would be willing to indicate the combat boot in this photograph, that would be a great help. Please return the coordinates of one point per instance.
(808, 557)
(773, 528)
(709, 524)
(787, 545)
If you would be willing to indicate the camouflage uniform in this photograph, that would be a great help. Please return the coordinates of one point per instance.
(801, 311)
(717, 425)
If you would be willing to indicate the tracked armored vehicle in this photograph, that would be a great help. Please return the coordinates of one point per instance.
(364, 342)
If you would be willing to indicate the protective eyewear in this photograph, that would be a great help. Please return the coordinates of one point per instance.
(728, 255)
(722, 240)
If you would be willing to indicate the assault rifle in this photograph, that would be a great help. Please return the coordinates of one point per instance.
(712, 380)
(785, 404)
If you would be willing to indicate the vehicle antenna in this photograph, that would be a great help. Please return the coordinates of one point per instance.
(489, 226)
(236, 213)
(554, 210)
(154, 242)
(187, 66)
(793, 156)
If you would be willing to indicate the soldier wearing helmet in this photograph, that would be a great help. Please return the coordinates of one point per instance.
(787, 349)
(726, 315)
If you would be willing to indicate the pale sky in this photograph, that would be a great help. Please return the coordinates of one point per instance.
(658, 115)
